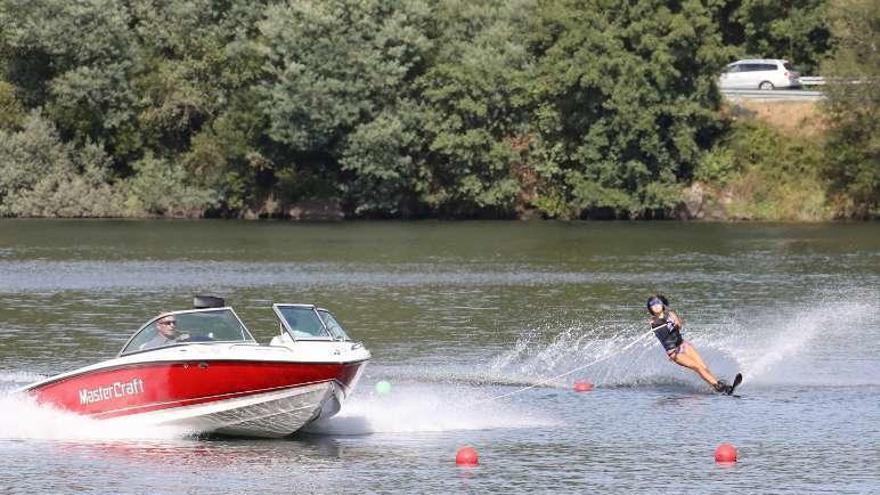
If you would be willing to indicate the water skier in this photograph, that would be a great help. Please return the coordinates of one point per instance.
(667, 327)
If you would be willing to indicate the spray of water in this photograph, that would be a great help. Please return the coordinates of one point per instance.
(829, 343)
(9, 379)
(411, 407)
(22, 418)
(419, 407)
(623, 358)
(779, 346)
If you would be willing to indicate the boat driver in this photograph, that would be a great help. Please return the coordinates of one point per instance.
(166, 332)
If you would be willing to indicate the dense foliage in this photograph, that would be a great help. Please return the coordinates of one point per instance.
(795, 30)
(762, 173)
(854, 107)
(399, 108)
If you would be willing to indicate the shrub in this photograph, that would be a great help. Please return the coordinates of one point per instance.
(162, 187)
(12, 114)
(42, 177)
(853, 107)
(767, 175)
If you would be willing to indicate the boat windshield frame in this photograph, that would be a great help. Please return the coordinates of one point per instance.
(150, 324)
(328, 334)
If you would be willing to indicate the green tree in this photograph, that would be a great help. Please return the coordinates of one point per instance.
(570, 108)
(337, 71)
(853, 106)
(476, 95)
(626, 102)
(42, 176)
(796, 30)
(200, 66)
(74, 59)
(11, 110)
(143, 76)
(389, 176)
(196, 56)
(161, 187)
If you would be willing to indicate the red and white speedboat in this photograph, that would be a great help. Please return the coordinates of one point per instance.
(202, 370)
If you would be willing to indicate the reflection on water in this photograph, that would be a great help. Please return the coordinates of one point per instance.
(456, 315)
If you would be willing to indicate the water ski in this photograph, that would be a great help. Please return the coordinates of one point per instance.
(723, 388)
(736, 381)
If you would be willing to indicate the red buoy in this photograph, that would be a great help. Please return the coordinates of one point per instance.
(467, 456)
(582, 386)
(725, 453)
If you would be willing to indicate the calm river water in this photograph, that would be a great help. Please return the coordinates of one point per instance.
(457, 315)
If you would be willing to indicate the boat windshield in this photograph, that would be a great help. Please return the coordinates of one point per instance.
(182, 327)
(302, 322)
(333, 325)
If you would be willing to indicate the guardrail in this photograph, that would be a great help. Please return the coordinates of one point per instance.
(774, 94)
(812, 81)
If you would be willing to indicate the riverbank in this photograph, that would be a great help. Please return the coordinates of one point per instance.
(769, 167)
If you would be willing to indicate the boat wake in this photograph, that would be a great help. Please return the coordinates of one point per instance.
(21, 418)
(418, 408)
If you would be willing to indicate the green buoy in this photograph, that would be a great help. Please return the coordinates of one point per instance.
(383, 387)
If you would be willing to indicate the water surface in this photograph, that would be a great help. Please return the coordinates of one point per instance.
(481, 327)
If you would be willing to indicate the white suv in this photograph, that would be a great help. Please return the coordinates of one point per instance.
(759, 74)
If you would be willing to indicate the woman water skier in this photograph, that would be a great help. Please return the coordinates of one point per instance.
(667, 327)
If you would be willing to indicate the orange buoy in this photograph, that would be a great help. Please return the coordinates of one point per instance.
(582, 386)
(467, 456)
(725, 453)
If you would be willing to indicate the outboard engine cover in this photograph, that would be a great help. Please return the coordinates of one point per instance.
(204, 301)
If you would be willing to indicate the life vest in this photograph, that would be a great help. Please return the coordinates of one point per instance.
(667, 332)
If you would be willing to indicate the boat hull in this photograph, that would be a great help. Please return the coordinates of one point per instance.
(233, 397)
(274, 414)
